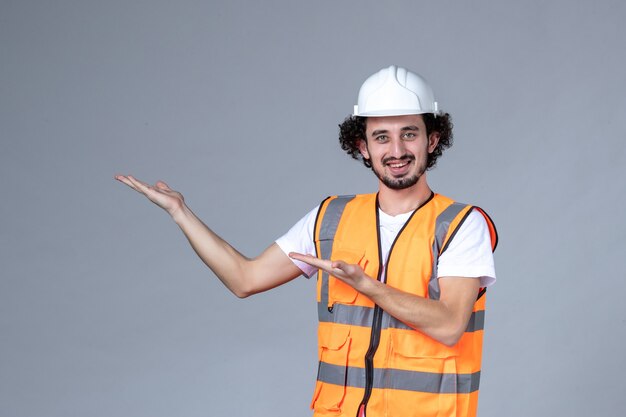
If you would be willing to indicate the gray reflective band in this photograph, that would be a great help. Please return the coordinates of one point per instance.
(332, 215)
(442, 225)
(346, 314)
(429, 382)
(363, 316)
(476, 321)
(328, 228)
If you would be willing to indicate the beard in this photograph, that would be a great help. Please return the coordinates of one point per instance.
(402, 182)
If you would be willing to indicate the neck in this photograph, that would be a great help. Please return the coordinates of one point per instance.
(394, 202)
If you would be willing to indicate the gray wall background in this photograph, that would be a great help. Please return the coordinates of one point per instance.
(105, 310)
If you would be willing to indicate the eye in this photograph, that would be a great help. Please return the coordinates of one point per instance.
(409, 136)
(381, 138)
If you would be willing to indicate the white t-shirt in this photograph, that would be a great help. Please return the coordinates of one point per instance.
(469, 253)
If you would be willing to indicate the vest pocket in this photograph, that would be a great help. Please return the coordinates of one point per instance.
(429, 375)
(340, 292)
(414, 344)
(333, 349)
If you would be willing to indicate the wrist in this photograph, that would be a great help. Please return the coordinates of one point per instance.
(368, 286)
(181, 214)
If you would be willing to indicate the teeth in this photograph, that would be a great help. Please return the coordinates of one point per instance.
(397, 165)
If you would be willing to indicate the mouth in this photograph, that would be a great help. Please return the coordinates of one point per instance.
(398, 166)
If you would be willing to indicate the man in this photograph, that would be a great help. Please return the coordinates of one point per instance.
(401, 272)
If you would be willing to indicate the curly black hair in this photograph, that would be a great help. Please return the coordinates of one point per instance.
(352, 130)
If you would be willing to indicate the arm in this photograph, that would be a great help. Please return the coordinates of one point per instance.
(444, 320)
(241, 275)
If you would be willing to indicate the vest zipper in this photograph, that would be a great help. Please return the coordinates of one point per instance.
(378, 312)
(369, 359)
(375, 334)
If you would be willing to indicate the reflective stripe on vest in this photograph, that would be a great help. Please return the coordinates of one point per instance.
(362, 316)
(328, 228)
(405, 380)
(441, 231)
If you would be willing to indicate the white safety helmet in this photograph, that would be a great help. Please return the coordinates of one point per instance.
(394, 91)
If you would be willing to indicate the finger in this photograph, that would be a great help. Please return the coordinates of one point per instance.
(346, 269)
(324, 264)
(139, 182)
(298, 256)
(125, 180)
(344, 266)
(302, 257)
(311, 260)
(140, 185)
(121, 178)
(163, 186)
(339, 270)
(339, 264)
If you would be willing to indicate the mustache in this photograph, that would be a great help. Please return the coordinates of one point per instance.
(406, 157)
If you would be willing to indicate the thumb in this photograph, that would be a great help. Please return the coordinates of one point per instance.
(163, 186)
(349, 269)
(341, 265)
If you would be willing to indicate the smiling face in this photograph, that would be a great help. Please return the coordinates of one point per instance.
(397, 147)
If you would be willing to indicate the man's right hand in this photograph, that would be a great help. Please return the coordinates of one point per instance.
(160, 193)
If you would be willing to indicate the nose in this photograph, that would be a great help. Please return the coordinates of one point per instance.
(398, 149)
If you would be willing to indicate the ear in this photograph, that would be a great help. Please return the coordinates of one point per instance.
(363, 148)
(433, 140)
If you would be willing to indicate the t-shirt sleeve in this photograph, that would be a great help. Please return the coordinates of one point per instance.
(469, 253)
(300, 239)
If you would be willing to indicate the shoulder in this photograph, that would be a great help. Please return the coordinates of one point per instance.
(470, 251)
(333, 207)
(346, 198)
(474, 223)
(467, 219)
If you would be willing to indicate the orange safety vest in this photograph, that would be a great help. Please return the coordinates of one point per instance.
(369, 360)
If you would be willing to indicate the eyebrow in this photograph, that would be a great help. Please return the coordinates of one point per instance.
(404, 129)
(378, 132)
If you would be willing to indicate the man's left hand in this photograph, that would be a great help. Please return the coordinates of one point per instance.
(351, 274)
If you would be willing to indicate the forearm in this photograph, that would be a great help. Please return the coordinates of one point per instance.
(226, 262)
(443, 320)
(239, 274)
